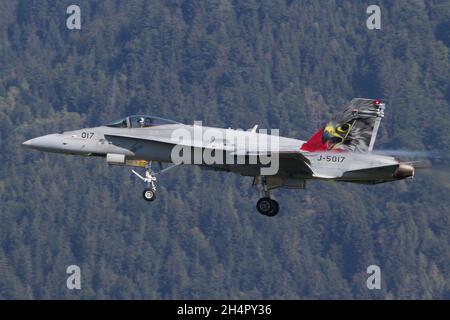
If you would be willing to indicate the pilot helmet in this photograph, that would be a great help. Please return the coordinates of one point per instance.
(141, 120)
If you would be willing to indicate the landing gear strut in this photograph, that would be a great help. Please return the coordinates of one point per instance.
(266, 205)
(149, 193)
(149, 177)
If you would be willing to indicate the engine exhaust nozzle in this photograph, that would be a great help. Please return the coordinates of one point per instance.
(404, 171)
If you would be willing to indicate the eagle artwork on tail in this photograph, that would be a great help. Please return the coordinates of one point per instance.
(354, 129)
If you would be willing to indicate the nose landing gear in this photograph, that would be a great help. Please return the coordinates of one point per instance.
(149, 177)
(149, 193)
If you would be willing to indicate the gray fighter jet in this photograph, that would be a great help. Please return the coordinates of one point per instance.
(342, 150)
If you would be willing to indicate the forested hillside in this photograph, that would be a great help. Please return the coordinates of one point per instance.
(278, 63)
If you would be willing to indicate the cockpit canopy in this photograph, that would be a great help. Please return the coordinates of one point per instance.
(140, 121)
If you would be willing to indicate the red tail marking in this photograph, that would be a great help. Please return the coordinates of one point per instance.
(315, 143)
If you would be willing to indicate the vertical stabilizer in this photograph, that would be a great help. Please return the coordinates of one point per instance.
(354, 129)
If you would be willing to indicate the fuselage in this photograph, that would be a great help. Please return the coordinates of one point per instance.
(157, 144)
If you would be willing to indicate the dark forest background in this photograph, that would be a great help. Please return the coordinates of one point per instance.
(278, 63)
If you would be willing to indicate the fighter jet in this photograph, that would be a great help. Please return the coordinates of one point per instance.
(342, 150)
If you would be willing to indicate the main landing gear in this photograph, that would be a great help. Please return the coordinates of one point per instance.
(266, 205)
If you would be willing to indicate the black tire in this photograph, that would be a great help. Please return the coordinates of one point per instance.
(275, 208)
(149, 195)
(267, 207)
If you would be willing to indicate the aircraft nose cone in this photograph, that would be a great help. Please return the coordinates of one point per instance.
(27, 143)
(49, 142)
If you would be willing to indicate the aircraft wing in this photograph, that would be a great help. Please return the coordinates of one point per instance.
(291, 163)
